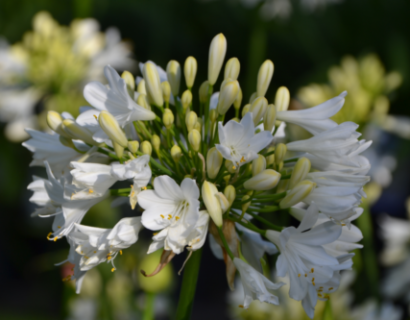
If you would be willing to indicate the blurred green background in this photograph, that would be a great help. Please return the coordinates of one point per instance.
(303, 47)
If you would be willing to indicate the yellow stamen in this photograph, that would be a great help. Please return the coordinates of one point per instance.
(87, 257)
(95, 116)
(113, 269)
(243, 159)
(121, 252)
(169, 217)
(313, 280)
(319, 295)
(305, 274)
(312, 270)
(90, 191)
(155, 233)
(162, 216)
(59, 227)
(176, 218)
(95, 251)
(233, 168)
(299, 275)
(49, 235)
(331, 288)
(55, 239)
(240, 306)
(144, 188)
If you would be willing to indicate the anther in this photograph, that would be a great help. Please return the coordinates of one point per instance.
(299, 275)
(162, 216)
(121, 252)
(331, 288)
(55, 239)
(113, 269)
(312, 270)
(90, 191)
(240, 306)
(59, 227)
(95, 117)
(176, 218)
(49, 235)
(305, 274)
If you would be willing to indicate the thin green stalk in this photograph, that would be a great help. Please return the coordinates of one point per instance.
(149, 306)
(189, 280)
(225, 243)
(116, 192)
(269, 224)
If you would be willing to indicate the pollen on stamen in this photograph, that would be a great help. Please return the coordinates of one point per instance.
(95, 251)
(90, 191)
(331, 288)
(155, 233)
(162, 216)
(243, 159)
(96, 118)
(305, 274)
(144, 188)
(121, 252)
(241, 306)
(59, 227)
(169, 217)
(233, 168)
(49, 235)
(312, 270)
(55, 239)
(176, 218)
(113, 269)
(299, 275)
(313, 280)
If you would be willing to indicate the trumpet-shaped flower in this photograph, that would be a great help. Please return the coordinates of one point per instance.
(256, 286)
(238, 141)
(171, 208)
(198, 236)
(115, 99)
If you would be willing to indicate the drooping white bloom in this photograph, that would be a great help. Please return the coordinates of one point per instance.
(96, 245)
(171, 208)
(256, 286)
(115, 99)
(238, 141)
(47, 147)
(198, 236)
(303, 256)
(316, 119)
(40, 197)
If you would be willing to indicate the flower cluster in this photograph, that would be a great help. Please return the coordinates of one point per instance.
(195, 172)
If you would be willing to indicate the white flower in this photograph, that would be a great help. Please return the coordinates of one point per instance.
(316, 119)
(303, 257)
(115, 99)
(396, 235)
(40, 197)
(171, 208)
(238, 141)
(256, 286)
(47, 147)
(97, 245)
(198, 236)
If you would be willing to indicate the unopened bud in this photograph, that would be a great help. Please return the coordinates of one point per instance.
(266, 180)
(271, 158)
(190, 68)
(282, 99)
(168, 118)
(253, 97)
(227, 96)
(300, 171)
(166, 91)
(230, 166)
(176, 153)
(230, 193)
(211, 202)
(258, 109)
(194, 138)
(191, 120)
(225, 205)
(66, 142)
(119, 150)
(174, 76)
(130, 82)
(297, 194)
(198, 125)
(213, 115)
(238, 100)
(156, 142)
(246, 109)
(146, 147)
(213, 162)
(203, 91)
(258, 165)
(141, 87)
(264, 77)
(111, 127)
(153, 84)
(186, 99)
(269, 118)
(133, 146)
(227, 178)
(283, 185)
(217, 52)
(143, 102)
(232, 69)
(280, 153)
(54, 121)
(246, 205)
(74, 131)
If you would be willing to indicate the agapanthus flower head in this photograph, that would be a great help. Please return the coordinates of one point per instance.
(192, 169)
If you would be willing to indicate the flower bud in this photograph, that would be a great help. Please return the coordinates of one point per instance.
(282, 99)
(54, 121)
(111, 127)
(194, 138)
(227, 178)
(153, 84)
(146, 147)
(174, 76)
(297, 194)
(283, 185)
(258, 109)
(130, 82)
(168, 118)
(133, 146)
(217, 52)
(271, 158)
(156, 142)
(74, 131)
(253, 97)
(246, 109)
(230, 166)
(143, 102)
(230, 193)
(238, 100)
(119, 150)
(66, 142)
(191, 120)
(227, 96)
(269, 118)
(300, 171)
(176, 153)
(280, 153)
(213, 162)
(166, 91)
(211, 202)
(266, 180)
(264, 77)
(186, 99)
(203, 91)
(225, 205)
(198, 125)
(141, 87)
(190, 68)
(213, 115)
(258, 165)
(246, 205)
(232, 69)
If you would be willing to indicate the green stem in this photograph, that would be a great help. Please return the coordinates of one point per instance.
(189, 280)
(116, 192)
(270, 225)
(149, 306)
(225, 243)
